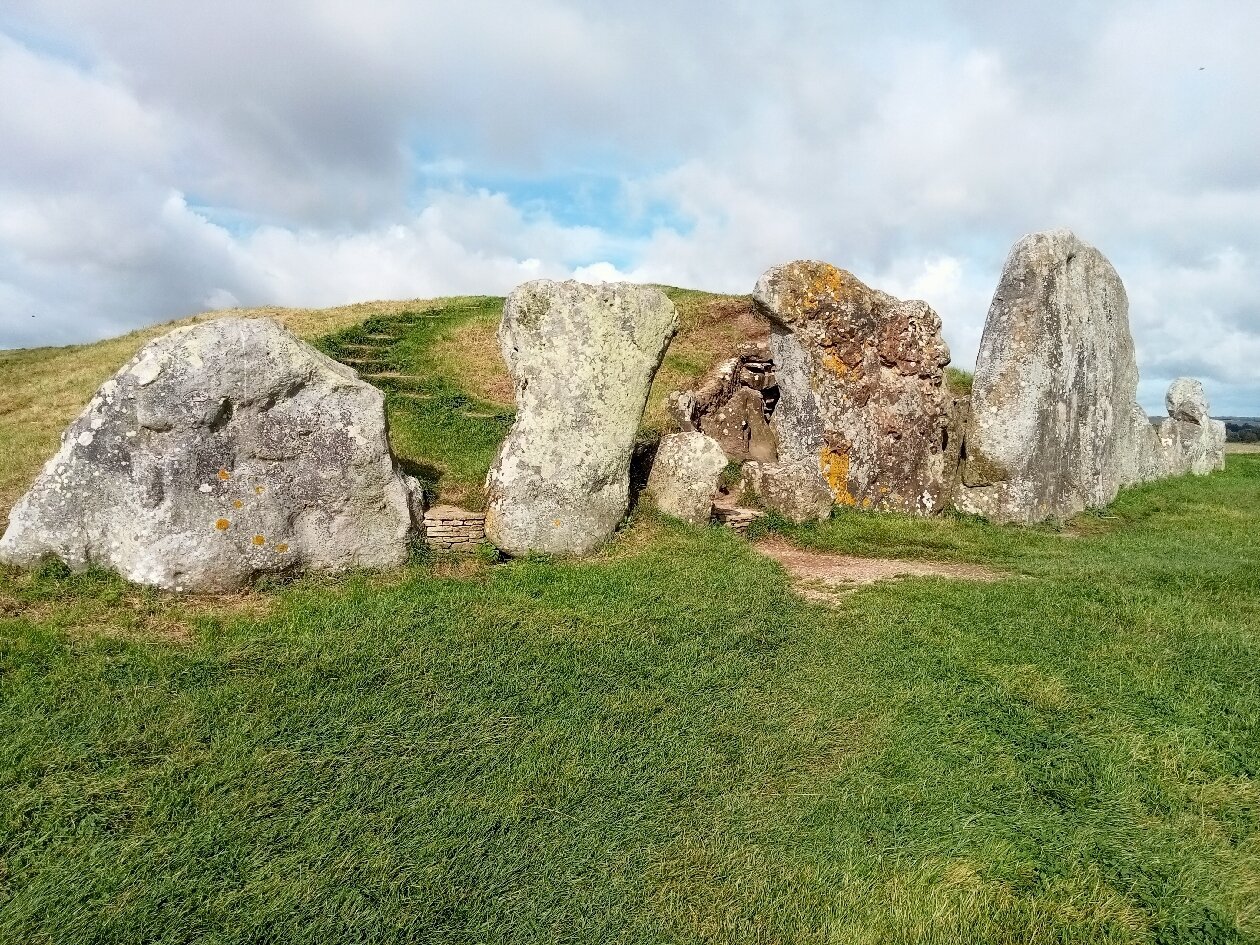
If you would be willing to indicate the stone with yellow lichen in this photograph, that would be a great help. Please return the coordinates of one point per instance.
(861, 385)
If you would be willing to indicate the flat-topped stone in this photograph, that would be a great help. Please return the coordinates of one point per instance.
(445, 513)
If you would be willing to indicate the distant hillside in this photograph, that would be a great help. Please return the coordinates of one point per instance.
(1242, 429)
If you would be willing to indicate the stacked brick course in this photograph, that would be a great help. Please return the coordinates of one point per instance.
(736, 516)
(450, 528)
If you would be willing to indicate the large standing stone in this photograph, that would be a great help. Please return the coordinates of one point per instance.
(583, 358)
(1055, 426)
(221, 452)
(685, 474)
(860, 377)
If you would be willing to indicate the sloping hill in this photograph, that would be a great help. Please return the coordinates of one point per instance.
(437, 359)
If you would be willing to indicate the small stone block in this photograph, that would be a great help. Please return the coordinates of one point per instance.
(447, 513)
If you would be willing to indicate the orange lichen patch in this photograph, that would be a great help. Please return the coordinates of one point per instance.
(832, 363)
(222, 524)
(258, 490)
(835, 468)
(556, 523)
(224, 475)
(824, 282)
(237, 503)
(259, 540)
(282, 548)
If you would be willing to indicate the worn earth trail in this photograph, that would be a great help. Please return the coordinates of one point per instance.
(815, 573)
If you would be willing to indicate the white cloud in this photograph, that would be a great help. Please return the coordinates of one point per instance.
(303, 153)
(598, 273)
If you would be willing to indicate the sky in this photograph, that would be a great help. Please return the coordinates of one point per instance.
(159, 159)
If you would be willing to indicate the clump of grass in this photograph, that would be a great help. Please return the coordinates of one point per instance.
(730, 476)
(958, 381)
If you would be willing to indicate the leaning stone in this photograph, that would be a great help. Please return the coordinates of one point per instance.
(1054, 425)
(583, 358)
(739, 426)
(222, 452)
(1187, 401)
(794, 490)
(684, 477)
(1189, 441)
(860, 376)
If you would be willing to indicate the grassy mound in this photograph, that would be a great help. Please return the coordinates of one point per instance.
(659, 744)
(450, 398)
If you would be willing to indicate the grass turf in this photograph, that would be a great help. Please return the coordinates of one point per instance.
(659, 744)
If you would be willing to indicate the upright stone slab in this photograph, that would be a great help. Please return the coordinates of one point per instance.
(862, 403)
(583, 358)
(1054, 425)
(223, 451)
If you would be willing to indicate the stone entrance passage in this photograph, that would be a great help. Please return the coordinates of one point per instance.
(735, 405)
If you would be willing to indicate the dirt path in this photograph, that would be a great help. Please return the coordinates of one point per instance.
(818, 576)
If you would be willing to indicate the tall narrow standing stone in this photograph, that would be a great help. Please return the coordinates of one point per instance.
(1055, 426)
(583, 358)
(860, 373)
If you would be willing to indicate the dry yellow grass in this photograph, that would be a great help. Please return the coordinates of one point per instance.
(43, 389)
(469, 356)
(1242, 447)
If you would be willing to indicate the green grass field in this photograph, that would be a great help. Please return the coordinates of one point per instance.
(660, 744)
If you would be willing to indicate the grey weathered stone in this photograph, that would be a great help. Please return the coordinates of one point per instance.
(583, 358)
(417, 501)
(1187, 401)
(1189, 441)
(1054, 426)
(796, 490)
(221, 452)
(861, 387)
(685, 474)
